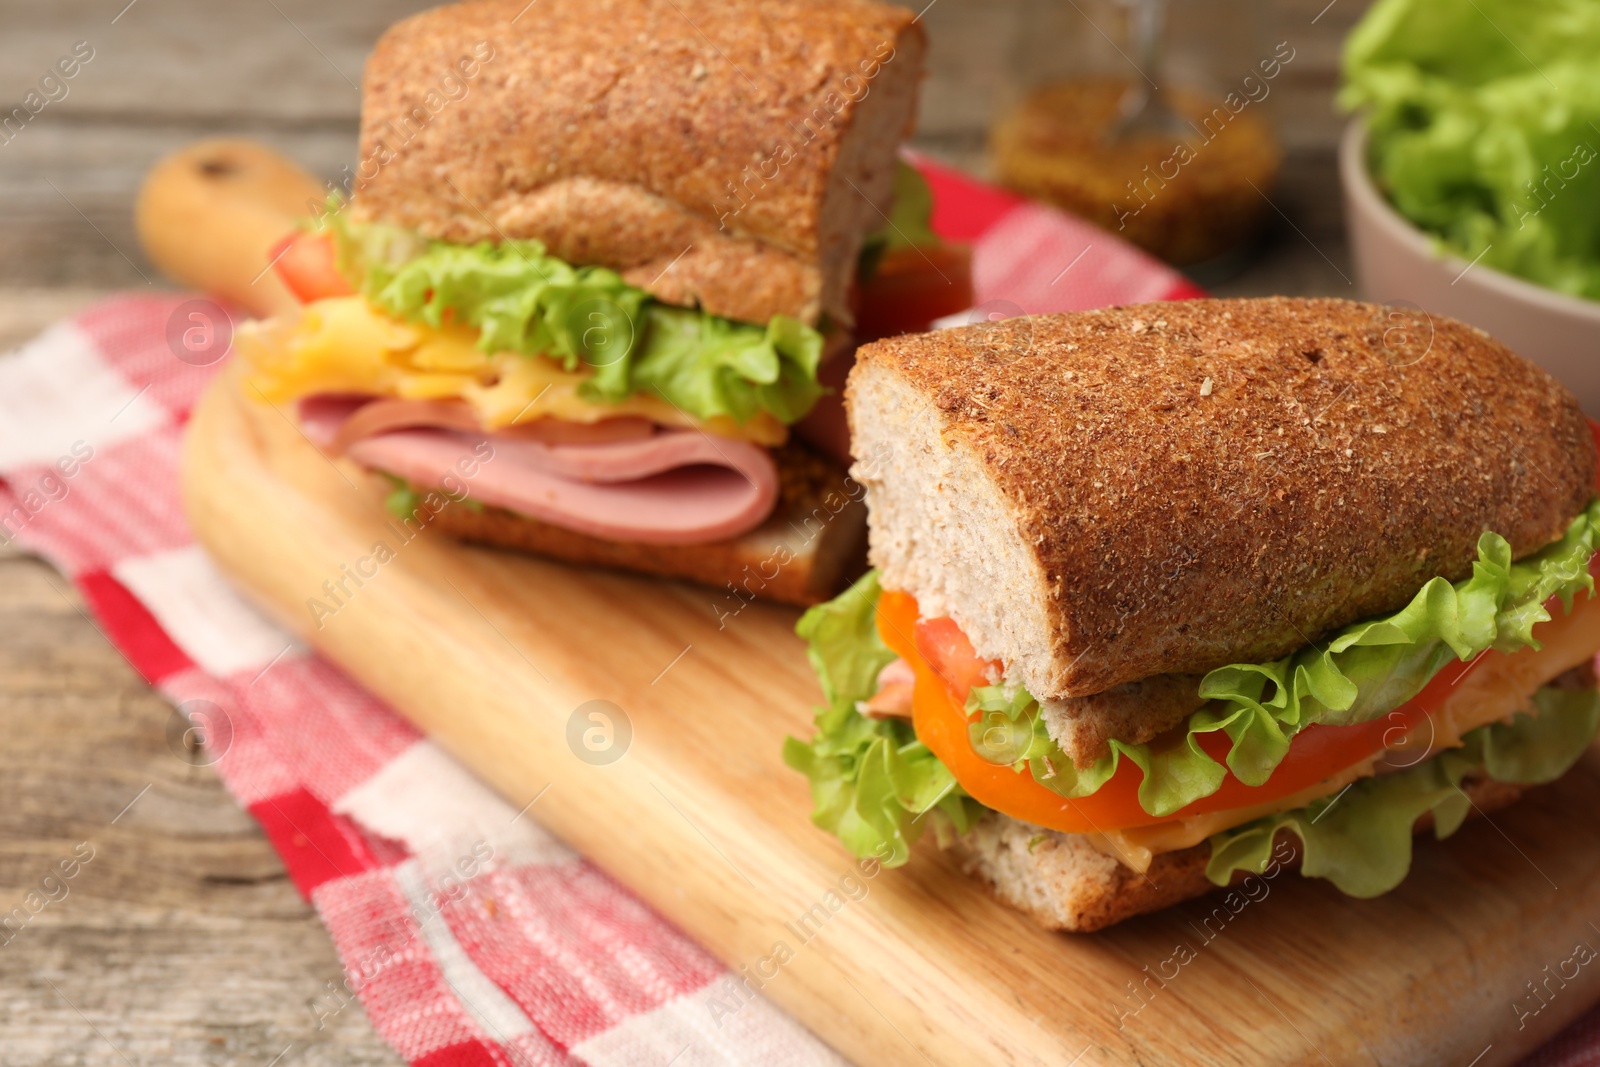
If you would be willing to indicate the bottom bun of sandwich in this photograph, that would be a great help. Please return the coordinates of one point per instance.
(1065, 882)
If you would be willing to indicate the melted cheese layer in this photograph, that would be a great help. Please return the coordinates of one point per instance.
(344, 345)
(1495, 689)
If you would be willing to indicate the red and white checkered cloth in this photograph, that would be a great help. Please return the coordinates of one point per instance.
(469, 935)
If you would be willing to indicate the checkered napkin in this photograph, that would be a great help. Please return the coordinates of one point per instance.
(468, 934)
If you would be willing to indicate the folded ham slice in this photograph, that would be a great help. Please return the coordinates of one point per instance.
(622, 479)
(896, 686)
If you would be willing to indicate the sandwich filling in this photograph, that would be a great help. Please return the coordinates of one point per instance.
(601, 409)
(1345, 743)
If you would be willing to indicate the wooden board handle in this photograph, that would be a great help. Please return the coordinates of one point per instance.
(209, 215)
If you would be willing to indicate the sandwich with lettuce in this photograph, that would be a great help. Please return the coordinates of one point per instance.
(579, 294)
(1170, 594)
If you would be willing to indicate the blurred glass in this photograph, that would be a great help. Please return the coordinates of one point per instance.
(1149, 118)
(1210, 45)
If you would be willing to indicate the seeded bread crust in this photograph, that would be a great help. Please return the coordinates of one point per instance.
(1105, 496)
(727, 155)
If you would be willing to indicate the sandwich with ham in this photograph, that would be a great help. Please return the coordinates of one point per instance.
(580, 289)
(1169, 594)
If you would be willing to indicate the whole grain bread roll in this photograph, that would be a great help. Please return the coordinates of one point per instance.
(726, 155)
(1104, 496)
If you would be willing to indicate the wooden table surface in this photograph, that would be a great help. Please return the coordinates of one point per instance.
(182, 940)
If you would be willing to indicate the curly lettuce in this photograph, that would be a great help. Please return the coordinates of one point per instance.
(524, 300)
(872, 781)
(1361, 673)
(1484, 128)
(1360, 839)
(1369, 669)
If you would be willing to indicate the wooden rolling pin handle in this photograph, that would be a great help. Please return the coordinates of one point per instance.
(210, 216)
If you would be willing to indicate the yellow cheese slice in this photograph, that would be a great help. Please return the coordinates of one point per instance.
(1494, 689)
(344, 345)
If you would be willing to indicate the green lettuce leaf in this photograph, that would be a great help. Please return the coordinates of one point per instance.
(524, 300)
(405, 500)
(1360, 839)
(1369, 669)
(872, 781)
(1361, 673)
(402, 499)
(1484, 120)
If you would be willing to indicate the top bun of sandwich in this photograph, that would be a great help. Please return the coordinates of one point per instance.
(748, 147)
(1101, 497)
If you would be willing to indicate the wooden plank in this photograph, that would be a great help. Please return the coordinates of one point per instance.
(25, 313)
(67, 195)
(493, 654)
(293, 60)
(181, 939)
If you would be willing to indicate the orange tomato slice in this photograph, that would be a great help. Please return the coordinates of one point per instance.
(946, 668)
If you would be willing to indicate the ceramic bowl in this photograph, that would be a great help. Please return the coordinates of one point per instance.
(1396, 263)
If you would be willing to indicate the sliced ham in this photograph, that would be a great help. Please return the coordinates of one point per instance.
(897, 683)
(629, 482)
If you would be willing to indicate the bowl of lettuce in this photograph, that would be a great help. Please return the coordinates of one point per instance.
(1471, 171)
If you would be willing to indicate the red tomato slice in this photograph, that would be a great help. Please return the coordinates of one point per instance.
(308, 265)
(950, 655)
(911, 288)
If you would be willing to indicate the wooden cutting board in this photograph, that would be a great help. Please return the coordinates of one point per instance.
(491, 654)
